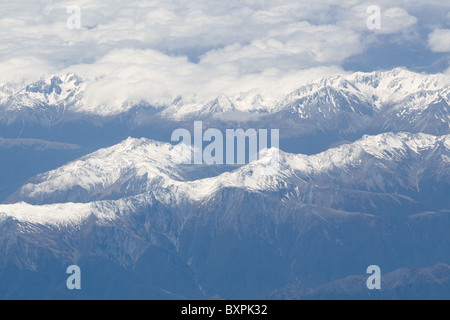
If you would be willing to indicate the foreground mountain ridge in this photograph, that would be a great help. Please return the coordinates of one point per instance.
(149, 168)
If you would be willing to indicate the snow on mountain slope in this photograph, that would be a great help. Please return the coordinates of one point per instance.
(396, 100)
(72, 214)
(349, 100)
(384, 198)
(380, 88)
(397, 84)
(383, 163)
(10, 89)
(387, 163)
(58, 214)
(52, 100)
(374, 91)
(129, 168)
(43, 101)
(240, 108)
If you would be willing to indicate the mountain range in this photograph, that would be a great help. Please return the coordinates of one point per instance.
(362, 178)
(396, 100)
(242, 233)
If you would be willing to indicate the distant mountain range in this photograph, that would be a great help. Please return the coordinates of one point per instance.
(362, 178)
(396, 100)
(433, 283)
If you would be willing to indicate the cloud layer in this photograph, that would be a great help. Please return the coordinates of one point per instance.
(439, 40)
(157, 50)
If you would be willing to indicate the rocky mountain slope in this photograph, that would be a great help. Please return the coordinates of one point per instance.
(241, 234)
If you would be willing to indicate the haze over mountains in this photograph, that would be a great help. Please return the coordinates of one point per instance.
(144, 226)
(92, 93)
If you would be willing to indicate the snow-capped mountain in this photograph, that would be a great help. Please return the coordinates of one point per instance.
(131, 212)
(379, 88)
(137, 166)
(360, 103)
(372, 201)
(129, 168)
(42, 102)
(397, 100)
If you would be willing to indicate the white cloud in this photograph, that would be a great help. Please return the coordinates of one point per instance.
(439, 40)
(20, 68)
(148, 75)
(297, 46)
(395, 20)
(155, 50)
(392, 19)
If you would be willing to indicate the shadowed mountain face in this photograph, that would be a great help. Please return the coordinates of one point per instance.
(413, 284)
(238, 245)
(242, 234)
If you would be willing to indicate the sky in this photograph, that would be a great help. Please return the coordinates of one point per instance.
(155, 51)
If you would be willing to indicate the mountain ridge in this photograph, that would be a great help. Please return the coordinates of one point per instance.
(365, 165)
(56, 96)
